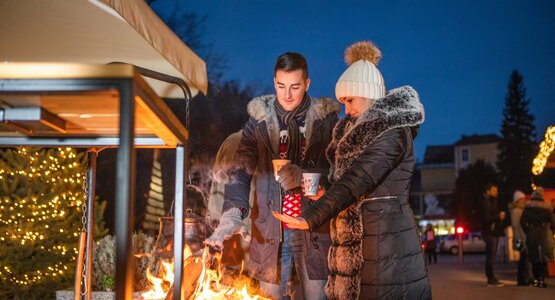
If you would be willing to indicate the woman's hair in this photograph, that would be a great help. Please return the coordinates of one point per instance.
(291, 61)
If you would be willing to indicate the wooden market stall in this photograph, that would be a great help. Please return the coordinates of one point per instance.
(93, 74)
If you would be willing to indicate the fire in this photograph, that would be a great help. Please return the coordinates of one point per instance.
(157, 291)
(208, 285)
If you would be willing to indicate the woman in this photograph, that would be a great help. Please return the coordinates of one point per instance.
(523, 273)
(538, 224)
(430, 243)
(376, 252)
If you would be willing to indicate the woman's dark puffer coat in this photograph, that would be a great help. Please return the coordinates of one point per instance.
(376, 251)
(538, 224)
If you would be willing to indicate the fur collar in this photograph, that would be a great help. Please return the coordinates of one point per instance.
(538, 204)
(261, 109)
(401, 107)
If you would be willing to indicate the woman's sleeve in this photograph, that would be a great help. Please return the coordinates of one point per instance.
(367, 172)
(524, 220)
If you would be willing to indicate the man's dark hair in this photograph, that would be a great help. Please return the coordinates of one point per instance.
(490, 185)
(291, 61)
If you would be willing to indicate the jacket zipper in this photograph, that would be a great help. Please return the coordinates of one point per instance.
(265, 142)
(262, 137)
(379, 198)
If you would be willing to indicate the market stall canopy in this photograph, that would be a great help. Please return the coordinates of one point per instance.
(98, 32)
(80, 105)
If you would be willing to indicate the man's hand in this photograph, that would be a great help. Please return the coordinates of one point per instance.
(290, 176)
(230, 223)
(292, 222)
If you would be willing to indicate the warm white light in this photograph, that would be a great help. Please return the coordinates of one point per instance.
(546, 148)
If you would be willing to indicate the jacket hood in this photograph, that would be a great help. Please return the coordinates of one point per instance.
(538, 203)
(401, 107)
(262, 109)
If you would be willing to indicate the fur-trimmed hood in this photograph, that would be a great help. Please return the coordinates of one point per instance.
(401, 107)
(262, 109)
(538, 204)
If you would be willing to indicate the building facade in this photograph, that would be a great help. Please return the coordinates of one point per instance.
(435, 177)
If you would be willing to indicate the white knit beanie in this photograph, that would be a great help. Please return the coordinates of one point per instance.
(518, 195)
(362, 78)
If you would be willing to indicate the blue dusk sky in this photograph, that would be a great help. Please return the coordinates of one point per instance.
(457, 54)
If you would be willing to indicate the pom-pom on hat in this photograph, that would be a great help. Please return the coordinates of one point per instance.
(362, 78)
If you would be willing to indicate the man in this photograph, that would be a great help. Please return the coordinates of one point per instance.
(430, 244)
(237, 249)
(220, 176)
(492, 227)
(288, 125)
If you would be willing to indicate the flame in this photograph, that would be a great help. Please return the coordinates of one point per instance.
(156, 292)
(208, 285)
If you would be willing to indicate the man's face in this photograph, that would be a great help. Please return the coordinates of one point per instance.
(493, 191)
(290, 88)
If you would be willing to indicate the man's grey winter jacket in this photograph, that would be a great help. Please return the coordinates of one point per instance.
(259, 145)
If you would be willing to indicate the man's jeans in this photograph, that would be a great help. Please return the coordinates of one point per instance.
(293, 252)
(491, 252)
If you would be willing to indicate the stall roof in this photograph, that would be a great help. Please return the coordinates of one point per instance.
(98, 32)
(79, 105)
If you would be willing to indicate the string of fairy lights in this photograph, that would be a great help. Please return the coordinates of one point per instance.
(546, 148)
(34, 220)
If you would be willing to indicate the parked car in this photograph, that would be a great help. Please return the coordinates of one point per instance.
(471, 241)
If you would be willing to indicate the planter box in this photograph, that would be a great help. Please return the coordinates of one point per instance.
(69, 295)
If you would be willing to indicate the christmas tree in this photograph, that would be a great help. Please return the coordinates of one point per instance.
(41, 198)
(518, 144)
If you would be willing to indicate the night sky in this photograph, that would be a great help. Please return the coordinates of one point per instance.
(458, 56)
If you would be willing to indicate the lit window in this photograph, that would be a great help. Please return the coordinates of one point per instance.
(465, 155)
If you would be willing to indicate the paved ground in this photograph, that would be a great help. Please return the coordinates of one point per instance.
(451, 280)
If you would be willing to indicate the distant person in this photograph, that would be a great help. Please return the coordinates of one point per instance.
(220, 177)
(519, 239)
(289, 125)
(538, 223)
(430, 243)
(376, 251)
(492, 226)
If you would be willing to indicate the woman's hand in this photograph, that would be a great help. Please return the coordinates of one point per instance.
(292, 222)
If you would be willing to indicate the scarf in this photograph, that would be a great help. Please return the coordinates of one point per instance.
(289, 118)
